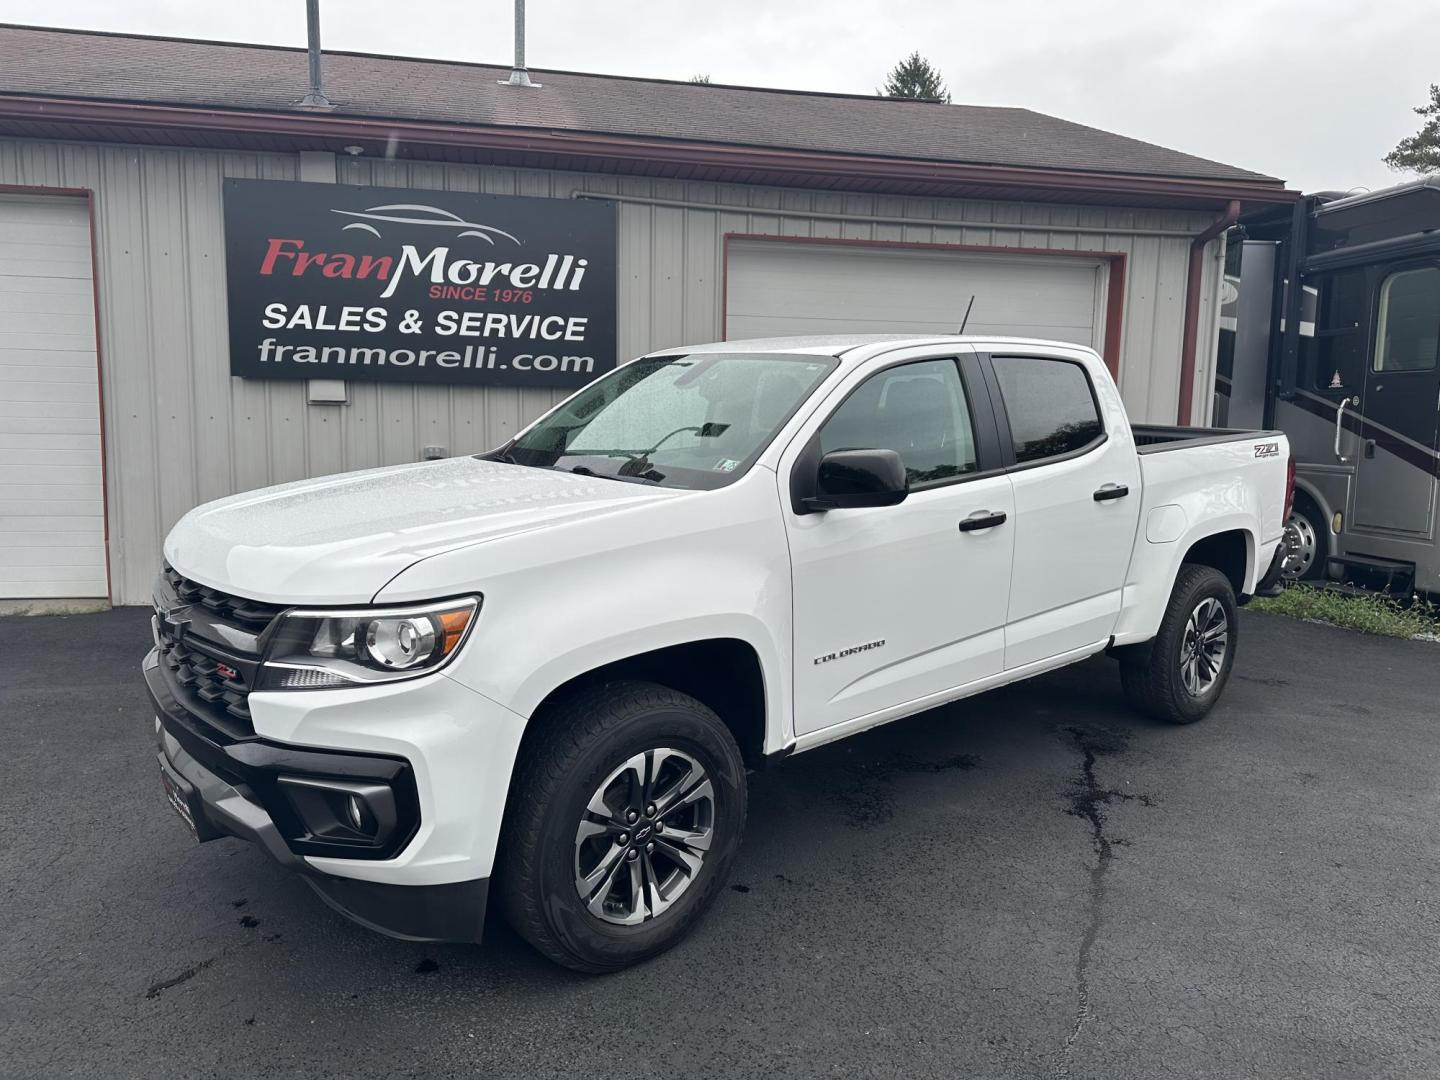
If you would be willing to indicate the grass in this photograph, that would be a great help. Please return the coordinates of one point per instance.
(1370, 613)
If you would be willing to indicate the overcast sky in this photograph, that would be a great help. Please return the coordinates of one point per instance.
(1313, 91)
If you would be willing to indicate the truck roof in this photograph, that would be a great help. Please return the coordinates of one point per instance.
(860, 344)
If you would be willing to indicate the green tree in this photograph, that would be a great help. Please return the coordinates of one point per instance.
(702, 80)
(915, 77)
(1420, 153)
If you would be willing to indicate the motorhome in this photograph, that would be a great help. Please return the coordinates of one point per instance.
(1353, 381)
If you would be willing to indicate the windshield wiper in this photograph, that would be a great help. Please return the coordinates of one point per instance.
(652, 477)
(638, 460)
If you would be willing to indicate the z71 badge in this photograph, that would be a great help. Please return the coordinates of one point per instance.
(1267, 449)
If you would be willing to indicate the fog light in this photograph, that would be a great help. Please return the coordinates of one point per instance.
(356, 813)
(342, 811)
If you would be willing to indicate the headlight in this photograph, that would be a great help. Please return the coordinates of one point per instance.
(312, 650)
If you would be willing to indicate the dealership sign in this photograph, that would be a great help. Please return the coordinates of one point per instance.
(339, 282)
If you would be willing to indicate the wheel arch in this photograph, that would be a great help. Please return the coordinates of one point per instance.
(723, 673)
(1231, 551)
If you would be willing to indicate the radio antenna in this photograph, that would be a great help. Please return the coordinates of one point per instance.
(966, 320)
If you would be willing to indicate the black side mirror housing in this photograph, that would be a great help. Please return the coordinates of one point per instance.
(847, 479)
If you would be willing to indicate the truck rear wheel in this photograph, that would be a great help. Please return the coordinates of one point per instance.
(624, 818)
(1179, 676)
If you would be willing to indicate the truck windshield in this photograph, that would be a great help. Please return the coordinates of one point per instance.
(693, 421)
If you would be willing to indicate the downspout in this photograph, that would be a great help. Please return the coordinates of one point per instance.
(1188, 343)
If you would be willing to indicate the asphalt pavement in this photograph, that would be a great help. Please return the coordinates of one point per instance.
(1033, 883)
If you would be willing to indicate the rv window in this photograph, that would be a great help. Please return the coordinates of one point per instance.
(1332, 352)
(1408, 331)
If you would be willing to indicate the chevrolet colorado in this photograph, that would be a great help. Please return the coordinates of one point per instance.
(547, 668)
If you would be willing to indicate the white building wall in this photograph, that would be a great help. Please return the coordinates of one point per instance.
(180, 430)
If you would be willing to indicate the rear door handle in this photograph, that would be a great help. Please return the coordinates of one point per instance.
(982, 519)
(1111, 491)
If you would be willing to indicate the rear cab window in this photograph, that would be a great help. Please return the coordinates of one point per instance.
(1051, 407)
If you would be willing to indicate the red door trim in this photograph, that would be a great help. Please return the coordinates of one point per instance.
(89, 196)
(1114, 260)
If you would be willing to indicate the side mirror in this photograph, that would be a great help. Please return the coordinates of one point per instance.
(847, 479)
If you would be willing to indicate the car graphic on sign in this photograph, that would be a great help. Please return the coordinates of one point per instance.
(420, 214)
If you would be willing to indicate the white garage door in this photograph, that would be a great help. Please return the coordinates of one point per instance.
(775, 288)
(52, 523)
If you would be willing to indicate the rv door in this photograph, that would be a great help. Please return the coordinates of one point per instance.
(1396, 463)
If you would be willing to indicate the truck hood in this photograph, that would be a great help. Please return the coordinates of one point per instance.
(339, 539)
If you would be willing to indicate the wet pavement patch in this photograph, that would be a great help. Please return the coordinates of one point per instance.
(157, 988)
(868, 796)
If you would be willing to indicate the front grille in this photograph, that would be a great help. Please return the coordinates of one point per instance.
(210, 647)
(251, 614)
(198, 676)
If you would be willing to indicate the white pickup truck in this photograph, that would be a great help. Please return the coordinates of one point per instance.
(550, 666)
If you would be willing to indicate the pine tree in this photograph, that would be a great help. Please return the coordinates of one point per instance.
(1420, 153)
(702, 80)
(915, 77)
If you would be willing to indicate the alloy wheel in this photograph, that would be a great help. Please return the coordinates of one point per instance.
(644, 835)
(1203, 646)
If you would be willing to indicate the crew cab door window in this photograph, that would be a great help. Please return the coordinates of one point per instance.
(1071, 549)
(1050, 404)
(919, 411)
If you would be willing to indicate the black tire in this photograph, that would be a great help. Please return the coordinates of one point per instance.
(581, 742)
(1306, 528)
(1154, 676)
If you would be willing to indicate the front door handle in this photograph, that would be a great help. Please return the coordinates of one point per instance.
(1111, 491)
(983, 519)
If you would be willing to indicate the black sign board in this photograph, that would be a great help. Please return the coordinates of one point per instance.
(340, 282)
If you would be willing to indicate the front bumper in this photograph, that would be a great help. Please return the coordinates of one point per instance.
(237, 788)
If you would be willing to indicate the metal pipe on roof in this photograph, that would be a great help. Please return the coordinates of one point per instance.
(315, 98)
(519, 76)
(1188, 343)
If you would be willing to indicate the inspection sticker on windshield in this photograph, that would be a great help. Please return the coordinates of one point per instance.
(727, 465)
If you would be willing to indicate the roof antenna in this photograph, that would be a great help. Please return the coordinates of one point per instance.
(315, 98)
(519, 76)
(966, 320)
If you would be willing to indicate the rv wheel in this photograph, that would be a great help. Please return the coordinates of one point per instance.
(1307, 540)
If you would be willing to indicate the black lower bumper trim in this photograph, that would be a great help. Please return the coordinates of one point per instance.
(450, 912)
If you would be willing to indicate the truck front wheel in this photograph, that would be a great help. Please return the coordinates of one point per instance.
(624, 818)
(1179, 675)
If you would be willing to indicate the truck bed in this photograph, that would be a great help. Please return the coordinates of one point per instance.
(1158, 438)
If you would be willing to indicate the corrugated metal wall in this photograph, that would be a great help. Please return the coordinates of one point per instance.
(181, 431)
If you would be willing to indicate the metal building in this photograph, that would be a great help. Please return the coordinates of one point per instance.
(738, 213)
